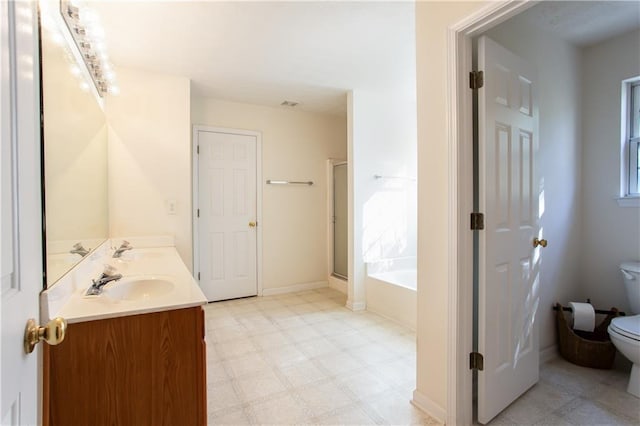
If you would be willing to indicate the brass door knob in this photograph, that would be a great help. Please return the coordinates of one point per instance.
(52, 333)
(537, 242)
(252, 224)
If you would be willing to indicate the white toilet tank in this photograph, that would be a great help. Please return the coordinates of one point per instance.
(631, 274)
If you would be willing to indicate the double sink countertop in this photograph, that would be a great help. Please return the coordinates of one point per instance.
(153, 279)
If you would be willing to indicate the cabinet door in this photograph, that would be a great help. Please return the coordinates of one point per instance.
(136, 370)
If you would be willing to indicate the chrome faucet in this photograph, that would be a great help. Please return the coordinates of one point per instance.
(78, 249)
(123, 247)
(107, 276)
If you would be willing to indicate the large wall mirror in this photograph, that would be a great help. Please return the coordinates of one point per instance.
(75, 159)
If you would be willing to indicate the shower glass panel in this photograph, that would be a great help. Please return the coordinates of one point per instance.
(340, 229)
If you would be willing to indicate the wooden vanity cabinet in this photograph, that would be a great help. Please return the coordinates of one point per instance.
(137, 370)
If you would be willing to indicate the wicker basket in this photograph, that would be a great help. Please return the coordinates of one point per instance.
(588, 349)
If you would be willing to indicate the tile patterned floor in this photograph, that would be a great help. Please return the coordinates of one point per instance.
(571, 395)
(304, 358)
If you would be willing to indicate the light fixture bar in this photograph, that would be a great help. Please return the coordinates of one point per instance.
(96, 65)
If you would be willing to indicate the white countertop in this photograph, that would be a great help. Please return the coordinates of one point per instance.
(68, 300)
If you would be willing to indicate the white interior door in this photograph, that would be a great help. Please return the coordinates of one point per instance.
(20, 223)
(227, 222)
(508, 263)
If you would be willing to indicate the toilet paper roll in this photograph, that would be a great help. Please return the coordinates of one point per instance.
(584, 316)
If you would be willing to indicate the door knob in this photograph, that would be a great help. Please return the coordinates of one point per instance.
(52, 333)
(252, 224)
(537, 242)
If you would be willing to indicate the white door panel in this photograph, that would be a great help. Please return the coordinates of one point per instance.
(227, 194)
(508, 263)
(20, 221)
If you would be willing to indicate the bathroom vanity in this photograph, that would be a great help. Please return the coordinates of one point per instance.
(133, 355)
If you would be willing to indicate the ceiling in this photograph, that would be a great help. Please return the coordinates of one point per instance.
(306, 51)
(268, 52)
(585, 23)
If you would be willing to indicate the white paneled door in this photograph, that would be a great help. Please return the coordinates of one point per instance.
(227, 216)
(508, 262)
(20, 215)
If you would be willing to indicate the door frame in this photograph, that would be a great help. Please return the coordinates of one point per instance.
(195, 195)
(460, 154)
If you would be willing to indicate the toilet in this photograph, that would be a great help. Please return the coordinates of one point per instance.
(625, 331)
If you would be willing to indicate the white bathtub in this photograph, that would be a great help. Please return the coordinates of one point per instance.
(391, 289)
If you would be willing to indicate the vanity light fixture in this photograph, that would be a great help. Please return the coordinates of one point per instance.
(88, 36)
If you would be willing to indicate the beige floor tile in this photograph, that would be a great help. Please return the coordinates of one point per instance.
(302, 373)
(321, 399)
(246, 364)
(289, 322)
(222, 397)
(332, 327)
(301, 333)
(225, 334)
(216, 373)
(364, 384)
(618, 401)
(352, 415)
(283, 410)
(348, 340)
(338, 364)
(397, 409)
(234, 348)
(261, 385)
(283, 356)
(270, 340)
(317, 347)
(373, 353)
(584, 412)
(234, 418)
(304, 358)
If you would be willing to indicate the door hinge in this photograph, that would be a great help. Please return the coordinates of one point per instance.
(198, 276)
(198, 212)
(476, 79)
(477, 221)
(198, 149)
(476, 361)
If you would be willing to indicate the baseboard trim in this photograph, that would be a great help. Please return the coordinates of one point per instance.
(338, 284)
(294, 288)
(357, 306)
(393, 320)
(423, 403)
(548, 353)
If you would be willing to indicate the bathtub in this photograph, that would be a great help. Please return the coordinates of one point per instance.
(391, 289)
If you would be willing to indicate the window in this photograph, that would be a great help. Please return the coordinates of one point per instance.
(631, 137)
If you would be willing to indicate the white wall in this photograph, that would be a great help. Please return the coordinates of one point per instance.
(295, 146)
(434, 245)
(150, 157)
(558, 162)
(383, 142)
(610, 233)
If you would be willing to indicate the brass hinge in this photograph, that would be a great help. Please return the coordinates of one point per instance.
(477, 221)
(476, 361)
(476, 79)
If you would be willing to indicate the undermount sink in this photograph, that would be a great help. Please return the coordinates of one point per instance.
(139, 288)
